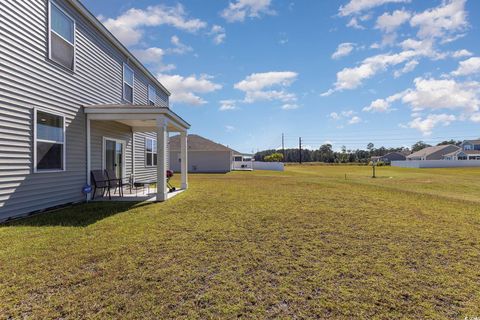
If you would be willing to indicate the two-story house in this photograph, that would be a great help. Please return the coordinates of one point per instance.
(469, 150)
(74, 99)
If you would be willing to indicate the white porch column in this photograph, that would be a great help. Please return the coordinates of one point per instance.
(184, 159)
(89, 156)
(162, 139)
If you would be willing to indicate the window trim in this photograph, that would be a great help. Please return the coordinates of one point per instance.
(35, 140)
(123, 83)
(154, 93)
(50, 30)
(124, 154)
(154, 143)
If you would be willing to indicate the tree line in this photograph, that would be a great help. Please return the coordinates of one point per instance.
(326, 153)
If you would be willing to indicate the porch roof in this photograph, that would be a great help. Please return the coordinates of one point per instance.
(142, 117)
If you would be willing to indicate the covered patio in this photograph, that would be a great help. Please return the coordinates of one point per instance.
(142, 118)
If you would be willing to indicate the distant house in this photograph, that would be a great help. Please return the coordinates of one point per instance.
(433, 153)
(389, 157)
(469, 150)
(242, 161)
(204, 155)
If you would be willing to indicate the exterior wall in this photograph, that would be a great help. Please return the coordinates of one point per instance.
(142, 171)
(203, 161)
(273, 166)
(29, 79)
(113, 130)
(436, 163)
(242, 165)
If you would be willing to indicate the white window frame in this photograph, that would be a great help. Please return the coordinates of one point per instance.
(124, 154)
(50, 30)
(35, 140)
(123, 83)
(154, 94)
(154, 144)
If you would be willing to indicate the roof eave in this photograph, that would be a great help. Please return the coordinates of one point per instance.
(89, 16)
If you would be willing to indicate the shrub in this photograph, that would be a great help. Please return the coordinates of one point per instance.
(274, 157)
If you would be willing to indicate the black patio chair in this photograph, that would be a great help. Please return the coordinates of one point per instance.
(114, 182)
(100, 181)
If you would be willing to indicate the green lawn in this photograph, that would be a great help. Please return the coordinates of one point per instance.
(306, 243)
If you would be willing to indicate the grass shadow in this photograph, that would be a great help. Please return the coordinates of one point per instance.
(78, 215)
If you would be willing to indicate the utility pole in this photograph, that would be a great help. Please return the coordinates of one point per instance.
(300, 149)
(283, 147)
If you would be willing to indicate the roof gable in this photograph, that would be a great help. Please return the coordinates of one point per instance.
(197, 143)
(425, 152)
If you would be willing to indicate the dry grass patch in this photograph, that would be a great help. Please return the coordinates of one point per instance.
(305, 243)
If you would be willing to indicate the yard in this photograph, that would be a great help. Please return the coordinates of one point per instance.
(314, 241)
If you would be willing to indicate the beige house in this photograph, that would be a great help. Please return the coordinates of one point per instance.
(204, 155)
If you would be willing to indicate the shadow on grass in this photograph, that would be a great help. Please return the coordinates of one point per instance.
(79, 215)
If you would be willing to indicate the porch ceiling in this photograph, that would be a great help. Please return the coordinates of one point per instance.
(141, 117)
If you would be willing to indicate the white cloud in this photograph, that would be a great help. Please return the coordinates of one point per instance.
(462, 53)
(240, 9)
(154, 57)
(348, 115)
(357, 6)
(290, 106)
(353, 23)
(383, 105)
(218, 34)
(179, 47)
(128, 27)
(426, 125)
(390, 22)
(343, 49)
(435, 94)
(228, 105)
(441, 21)
(229, 128)
(186, 89)
(468, 67)
(258, 86)
(409, 67)
(354, 120)
(352, 78)
(475, 117)
(443, 94)
(379, 105)
(334, 116)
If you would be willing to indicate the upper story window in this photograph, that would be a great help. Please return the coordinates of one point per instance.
(61, 37)
(467, 147)
(49, 142)
(128, 78)
(152, 95)
(150, 152)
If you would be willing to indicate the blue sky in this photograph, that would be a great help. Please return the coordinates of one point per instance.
(346, 72)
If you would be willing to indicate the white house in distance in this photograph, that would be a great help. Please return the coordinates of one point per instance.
(205, 156)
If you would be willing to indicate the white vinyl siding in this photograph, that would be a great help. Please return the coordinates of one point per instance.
(29, 79)
(61, 37)
(128, 83)
(49, 141)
